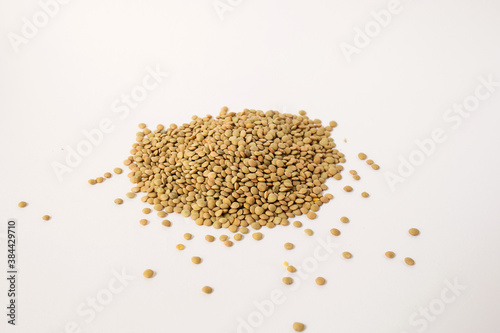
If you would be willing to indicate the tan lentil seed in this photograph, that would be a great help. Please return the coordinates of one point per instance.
(146, 210)
(347, 255)
(196, 260)
(287, 280)
(107, 175)
(335, 232)
(365, 194)
(289, 246)
(207, 290)
(298, 327)
(46, 217)
(22, 204)
(148, 273)
(347, 188)
(118, 201)
(375, 166)
(166, 223)
(99, 179)
(143, 221)
(187, 236)
(362, 156)
(180, 247)
(257, 236)
(209, 238)
(92, 181)
(311, 215)
(344, 219)
(297, 224)
(238, 237)
(369, 162)
(228, 243)
(409, 261)
(291, 269)
(320, 281)
(390, 254)
(308, 232)
(117, 170)
(414, 231)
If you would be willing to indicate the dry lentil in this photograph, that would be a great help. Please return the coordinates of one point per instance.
(365, 194)
(347, 188)
(297, 224)
(414, 231)
(344, 219)
(45, 217)
(356, 177)
(143, 221)
(369, 162)
(223, 238)
(308, 232)
(187, 236)
(209, 238)
(362, 156)
(257, 236)
(166, 223)
(130, 195)
(311, 215)
(409, 261)
(390, 254)
(335, 232)
(228, 243)
(180, 247)
(99, 179)
(196, 260)
(347, 255)
(287, 280)
(291, 269)
(107, 175)
(117, 170)
(238, 237)
(92, 181)
(375, 166)
(236, 168)
(118, 201)
(148, 273)
(298, 327)
(289, 246)
(207, 290)
(146, 210)
(320, 281)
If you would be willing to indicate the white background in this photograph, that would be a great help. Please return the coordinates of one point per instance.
(281, 55)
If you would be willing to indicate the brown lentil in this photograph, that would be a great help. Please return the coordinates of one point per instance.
(99, 179)
(298, 327)
(146, 210)
(414, 231)
(92, 181)
(238, 237)
(117, 170)
(335, 232)
(166, 223)
(143, 221)
(365, 194)
(320, 281)
(196, 260)
(297, 224)
(209, 238)
(287, 280)
(291, 269)
(45, 217)
(409, 261)
(308, 232)
(362, 156)
(344, 219)
(257, 236)
(207, 290)
(390, 254)
(118, 201)
(347, 188)
(228, 243)
(375, 166)
(107, 175)
(369, 162)
(347, 255)
(289, 246)
(187, 236)
(180, 247)
(148, 273)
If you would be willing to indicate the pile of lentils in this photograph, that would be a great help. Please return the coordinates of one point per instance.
(250, 168)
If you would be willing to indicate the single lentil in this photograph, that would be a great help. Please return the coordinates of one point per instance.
(46, 217)
(414, 231)
(390, 254)
(287, 280)
(347, 255)
(148, 273)
(320, 281)
(335, 232)
(409, 261)
(207, 290)
(298, 327)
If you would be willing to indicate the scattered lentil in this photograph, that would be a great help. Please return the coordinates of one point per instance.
(297, 224)
(196, 260)
(365, 194)
(46, 217)
(335, 232)
(287, 280)
(209, 238)
(257, 236)
(207, 290)
(238, 237)
(289, 246)
(148, 273)
(320, 281)
(143, 221)
(390, 254)
(187, 236)
(92, 181)
(362, 156)
(118, 170)
(291, 269)
(347, 255)
(228, 243)
(347, 188)
(375, 166)
(180, 247)
(99, 179)
(166, 223)
(107, 175)
(146, 210)
(118, 201)
(414, 231)
(298, 327)
(308, 232)
(344, 219)
(409, 261)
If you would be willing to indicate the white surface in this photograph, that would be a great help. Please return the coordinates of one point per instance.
(281, 55)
